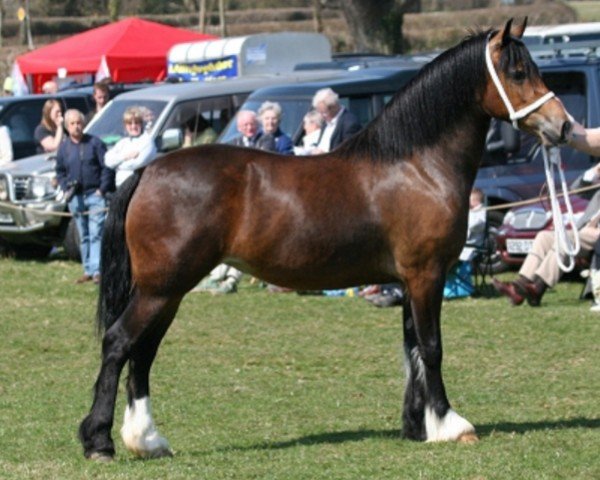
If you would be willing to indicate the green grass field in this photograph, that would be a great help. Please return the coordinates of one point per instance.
(264, 386)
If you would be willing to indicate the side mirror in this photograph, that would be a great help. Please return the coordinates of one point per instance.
(511, 138)
(171, 139)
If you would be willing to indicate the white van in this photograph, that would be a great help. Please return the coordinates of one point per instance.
(568, 32)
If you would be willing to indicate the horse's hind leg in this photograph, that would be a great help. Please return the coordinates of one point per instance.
(117, 344)
(427, 413)
(139, 433)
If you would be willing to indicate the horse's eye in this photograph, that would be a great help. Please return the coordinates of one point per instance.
(519, 75)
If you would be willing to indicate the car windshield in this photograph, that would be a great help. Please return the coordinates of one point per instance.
(109, 125)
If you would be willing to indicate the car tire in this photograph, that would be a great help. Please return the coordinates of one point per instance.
(31, 251)
(71, 242)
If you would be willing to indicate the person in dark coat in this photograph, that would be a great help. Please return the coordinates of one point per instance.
(250, 136)
(85, 179)
(340, 123)
(269, 114)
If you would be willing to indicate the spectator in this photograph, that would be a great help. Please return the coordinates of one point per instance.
(6, 150)
(250, 136)
(476, 226)
(101, 95)
(197, 131)
(49, 133)
(312, 124)
(540, 269)
(340, 124)
(133, 151)
(269, 114)
(50, 87)
(8, 87)
(82, 175)
(222, 279)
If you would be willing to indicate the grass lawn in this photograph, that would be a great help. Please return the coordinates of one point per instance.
(281, 386)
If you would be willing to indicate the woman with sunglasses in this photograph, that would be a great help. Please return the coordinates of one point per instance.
(133, 151)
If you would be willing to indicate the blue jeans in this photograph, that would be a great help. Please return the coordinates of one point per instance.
(90, 228)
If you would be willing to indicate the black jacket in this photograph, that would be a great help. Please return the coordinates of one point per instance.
(83, 162)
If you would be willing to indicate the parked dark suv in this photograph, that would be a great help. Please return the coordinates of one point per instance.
(22, 114)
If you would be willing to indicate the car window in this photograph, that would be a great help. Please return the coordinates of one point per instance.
(78, 103)
(22, 118)
(109, 125)
(291, 119)
(200, 116)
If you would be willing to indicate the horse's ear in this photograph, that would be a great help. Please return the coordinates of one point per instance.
(520, 29)
(506, 32)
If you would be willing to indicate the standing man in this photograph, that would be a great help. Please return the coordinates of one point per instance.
(101, 96)
(340, 124)
(82, 175)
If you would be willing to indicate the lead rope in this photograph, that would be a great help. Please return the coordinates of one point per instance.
(563, 245)
(552, 163)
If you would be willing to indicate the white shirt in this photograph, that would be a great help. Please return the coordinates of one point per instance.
(475, 232)
(6, 150)
(325, 142)
(115, 157)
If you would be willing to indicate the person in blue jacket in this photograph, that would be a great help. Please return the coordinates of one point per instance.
(269, 115)
(85, 181)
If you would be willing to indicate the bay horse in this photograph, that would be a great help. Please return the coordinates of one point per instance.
(390, 204)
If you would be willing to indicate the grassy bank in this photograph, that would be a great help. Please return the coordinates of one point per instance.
(280, 386)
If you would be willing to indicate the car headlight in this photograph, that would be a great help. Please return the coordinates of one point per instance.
(3, 189)
(42, 186)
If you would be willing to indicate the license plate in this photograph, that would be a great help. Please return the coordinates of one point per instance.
(518, 246)
(6, 218)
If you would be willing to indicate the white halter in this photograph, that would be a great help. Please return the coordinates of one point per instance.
(514, 116)
(552, 163)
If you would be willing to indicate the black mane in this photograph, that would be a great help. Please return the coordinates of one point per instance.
(443, 92)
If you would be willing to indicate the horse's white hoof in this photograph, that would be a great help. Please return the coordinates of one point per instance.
(452, 427)
(100, 457)
(139, 434)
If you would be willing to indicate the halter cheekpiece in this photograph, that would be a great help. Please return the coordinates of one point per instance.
(514, 116)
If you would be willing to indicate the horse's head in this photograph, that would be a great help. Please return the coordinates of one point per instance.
(516, 91)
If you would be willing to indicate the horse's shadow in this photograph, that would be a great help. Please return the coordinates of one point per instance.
(484, 430)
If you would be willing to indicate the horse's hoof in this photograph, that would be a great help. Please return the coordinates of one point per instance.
(100, 457)
(470, 437)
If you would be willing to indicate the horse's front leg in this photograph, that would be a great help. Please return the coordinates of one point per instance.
(427, 413)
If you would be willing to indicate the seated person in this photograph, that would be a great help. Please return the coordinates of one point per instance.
(269, 115)
(540, 269)
(250, 136)
(476, 227)
(222, 279)
(312, 124)
(197, 131)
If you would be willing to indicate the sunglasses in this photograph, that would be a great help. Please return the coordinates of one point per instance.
(133, 122)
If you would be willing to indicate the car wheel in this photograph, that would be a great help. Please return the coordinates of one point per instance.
(31, 251)
(71, 242)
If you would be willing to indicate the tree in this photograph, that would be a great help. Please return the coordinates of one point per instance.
(377, 26)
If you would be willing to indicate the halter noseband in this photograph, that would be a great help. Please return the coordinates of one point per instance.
(514, 116)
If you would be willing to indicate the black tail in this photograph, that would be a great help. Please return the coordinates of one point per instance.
(115, 282)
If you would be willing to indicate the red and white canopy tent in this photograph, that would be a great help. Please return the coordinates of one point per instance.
(126, 51)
